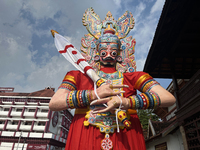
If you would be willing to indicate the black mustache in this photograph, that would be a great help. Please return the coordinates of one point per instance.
(108, 58)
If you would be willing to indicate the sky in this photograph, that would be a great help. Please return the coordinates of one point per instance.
(29, 60)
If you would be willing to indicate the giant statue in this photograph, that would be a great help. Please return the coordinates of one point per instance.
(103, 90)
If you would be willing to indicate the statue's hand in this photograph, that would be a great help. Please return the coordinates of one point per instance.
(112, 103)
(106, 90)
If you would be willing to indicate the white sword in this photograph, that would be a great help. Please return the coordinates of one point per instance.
(73, 55)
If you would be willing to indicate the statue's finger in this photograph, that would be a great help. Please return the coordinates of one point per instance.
(100, 101)
(118, 86)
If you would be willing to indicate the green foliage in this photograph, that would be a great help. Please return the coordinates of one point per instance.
(145, 115)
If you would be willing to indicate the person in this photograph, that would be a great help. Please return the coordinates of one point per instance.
(94, 126)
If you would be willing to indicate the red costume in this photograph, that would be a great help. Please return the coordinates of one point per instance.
(107, 58)
(82, 137)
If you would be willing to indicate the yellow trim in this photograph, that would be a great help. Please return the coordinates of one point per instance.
(77, 97)
(99, 82)
(155, 101)
(120, 74)
(147, 86)
(71, 104)
(70, 78)
(131, 111)
(122, 83)
(81, 110)
(147, 100)
(133, 102)
(140, 80)
(84, 110)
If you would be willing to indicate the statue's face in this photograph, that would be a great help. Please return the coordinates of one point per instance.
(108, 53)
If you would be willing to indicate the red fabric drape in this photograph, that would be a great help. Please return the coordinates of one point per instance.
(89, 138)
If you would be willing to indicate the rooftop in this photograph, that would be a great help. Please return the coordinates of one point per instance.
(47, 92)
(175, 47)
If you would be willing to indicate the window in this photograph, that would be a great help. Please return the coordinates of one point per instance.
(192, 131)
(28, 123)
(19, 109)
(6, 109)
(41, 123)
(162, 146)
(31, 110)
(44, 110)
(2, 122)
(14, 122)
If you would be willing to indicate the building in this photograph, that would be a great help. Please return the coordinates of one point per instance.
(165, 134)
(26, 122)
(174, 54)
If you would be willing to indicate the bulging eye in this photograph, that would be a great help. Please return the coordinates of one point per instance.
(103, 54)
(114, 53)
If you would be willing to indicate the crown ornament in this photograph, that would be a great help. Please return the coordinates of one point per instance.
(120, 28)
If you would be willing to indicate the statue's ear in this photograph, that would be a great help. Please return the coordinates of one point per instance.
(96, 58)
(119, 59)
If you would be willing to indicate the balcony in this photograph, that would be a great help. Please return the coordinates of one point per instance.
(189, 98)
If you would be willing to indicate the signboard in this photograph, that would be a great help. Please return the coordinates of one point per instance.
(36, 147)
(6, 89)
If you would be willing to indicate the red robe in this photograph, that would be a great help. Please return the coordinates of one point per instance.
(81, 137)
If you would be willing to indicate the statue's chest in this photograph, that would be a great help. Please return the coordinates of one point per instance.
(115, 78)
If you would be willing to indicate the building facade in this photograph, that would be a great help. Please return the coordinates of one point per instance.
(174, 56)
(165, 134)
(26, 122)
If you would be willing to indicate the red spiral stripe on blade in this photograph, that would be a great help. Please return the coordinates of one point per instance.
(80, 61)
(87, 68)
(66, 47)
(74, 52)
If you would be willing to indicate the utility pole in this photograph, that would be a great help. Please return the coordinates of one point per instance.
(19, 139)
(24, 143)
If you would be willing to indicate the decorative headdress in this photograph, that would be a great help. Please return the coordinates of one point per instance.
(108, 36)
(118, 33)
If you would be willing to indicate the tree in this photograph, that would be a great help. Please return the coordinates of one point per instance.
(145, 115)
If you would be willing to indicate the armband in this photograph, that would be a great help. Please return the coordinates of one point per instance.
(99, 82)
(78, 98)
(147, 100)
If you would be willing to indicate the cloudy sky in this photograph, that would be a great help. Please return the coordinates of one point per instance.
(29, 60)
